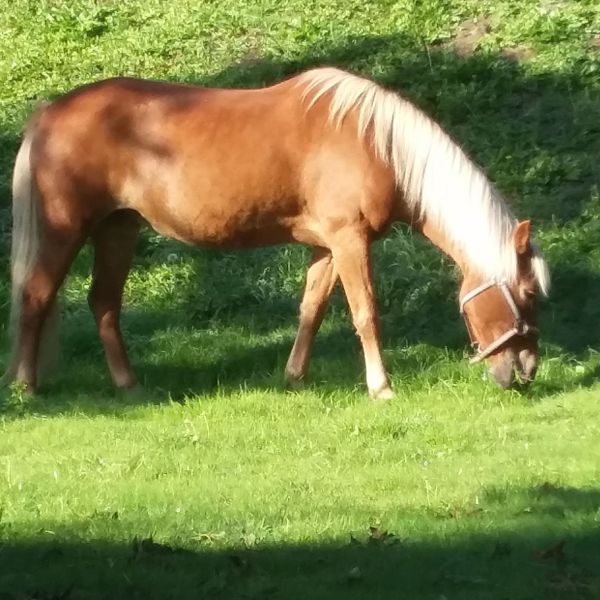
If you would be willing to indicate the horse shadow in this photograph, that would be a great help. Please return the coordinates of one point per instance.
(176, 359)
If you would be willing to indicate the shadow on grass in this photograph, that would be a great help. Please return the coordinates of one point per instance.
(173, 362)
(546, 550)
(537, 135)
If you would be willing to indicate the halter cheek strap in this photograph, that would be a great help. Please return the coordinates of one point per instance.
(520, 327)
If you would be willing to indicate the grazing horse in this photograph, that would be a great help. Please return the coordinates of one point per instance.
(325, 158)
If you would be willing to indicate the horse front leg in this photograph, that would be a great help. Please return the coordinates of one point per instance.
(350, 250)
(320, 281)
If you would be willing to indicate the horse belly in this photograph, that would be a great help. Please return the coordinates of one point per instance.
(222, 221)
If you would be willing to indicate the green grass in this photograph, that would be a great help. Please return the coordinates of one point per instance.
(217, 482)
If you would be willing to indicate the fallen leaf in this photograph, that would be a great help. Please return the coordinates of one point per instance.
(149, 546)
(377, 536)
(556, 552)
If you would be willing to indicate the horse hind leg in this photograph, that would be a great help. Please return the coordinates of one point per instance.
(114, 245)
(36, 305)
(41, 254)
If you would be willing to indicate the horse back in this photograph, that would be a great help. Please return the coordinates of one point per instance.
(204, 165)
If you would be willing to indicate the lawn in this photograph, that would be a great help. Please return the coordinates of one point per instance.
(214, 481)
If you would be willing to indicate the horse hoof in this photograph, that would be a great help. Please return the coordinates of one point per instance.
(293, 382)
(133, 392)
(383, 394)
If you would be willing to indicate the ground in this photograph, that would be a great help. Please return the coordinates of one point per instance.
(216, 481)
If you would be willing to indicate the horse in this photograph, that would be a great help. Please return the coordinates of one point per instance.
(326, 158)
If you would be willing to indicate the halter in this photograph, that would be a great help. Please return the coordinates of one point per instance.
(520, 326)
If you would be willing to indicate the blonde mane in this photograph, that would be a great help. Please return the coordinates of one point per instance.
(436, 177)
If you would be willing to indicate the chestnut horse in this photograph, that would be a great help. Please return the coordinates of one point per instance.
(325, 158)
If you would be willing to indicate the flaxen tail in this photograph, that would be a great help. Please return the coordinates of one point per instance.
(24, 253)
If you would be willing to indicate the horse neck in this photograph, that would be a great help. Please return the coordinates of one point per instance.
(439, 239)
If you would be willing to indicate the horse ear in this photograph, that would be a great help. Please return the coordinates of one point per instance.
(521, 236)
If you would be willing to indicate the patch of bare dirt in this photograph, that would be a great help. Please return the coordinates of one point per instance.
(469, 34)
(518, 53)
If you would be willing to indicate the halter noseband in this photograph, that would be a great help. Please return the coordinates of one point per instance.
(520, 327)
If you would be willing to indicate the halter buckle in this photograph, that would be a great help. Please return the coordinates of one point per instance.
(521, 327)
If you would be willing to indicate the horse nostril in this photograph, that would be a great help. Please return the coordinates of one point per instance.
(528, 362)
(503, 373)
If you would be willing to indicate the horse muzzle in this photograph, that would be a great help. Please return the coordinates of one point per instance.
(505, 367)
